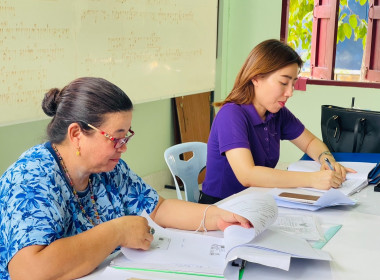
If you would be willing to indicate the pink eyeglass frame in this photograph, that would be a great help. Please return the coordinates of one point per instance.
(119, 142)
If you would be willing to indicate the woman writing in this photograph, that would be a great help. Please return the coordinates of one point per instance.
(65, 205)
(244, 142)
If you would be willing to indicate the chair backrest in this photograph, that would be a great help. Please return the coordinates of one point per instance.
(188, 171)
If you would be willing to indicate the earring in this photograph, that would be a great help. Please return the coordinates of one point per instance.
(78, 152)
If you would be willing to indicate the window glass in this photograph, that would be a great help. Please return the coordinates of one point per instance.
(352, 30)
(351, 36)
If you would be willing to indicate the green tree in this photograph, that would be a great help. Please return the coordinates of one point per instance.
(301, 23)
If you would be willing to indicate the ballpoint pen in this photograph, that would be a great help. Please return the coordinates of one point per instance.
(332, 168)
(329, 164)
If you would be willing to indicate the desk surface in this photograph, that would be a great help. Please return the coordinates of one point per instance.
(355, 249)
(355, 157)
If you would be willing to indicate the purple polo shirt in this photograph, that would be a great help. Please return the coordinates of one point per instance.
(240, 126)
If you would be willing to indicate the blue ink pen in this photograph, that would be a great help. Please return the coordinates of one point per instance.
(329, 164)
(332, 168)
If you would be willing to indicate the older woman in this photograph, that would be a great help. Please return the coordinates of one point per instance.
(70, 202)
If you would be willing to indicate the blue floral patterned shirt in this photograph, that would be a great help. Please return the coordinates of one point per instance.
(37, 205)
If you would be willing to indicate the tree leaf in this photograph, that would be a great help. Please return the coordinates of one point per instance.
(309, 26)
(347, 30)
(342, 16)
(340, 35)
(353, 21)
(362, 32)
(309, 16)
(301, 23)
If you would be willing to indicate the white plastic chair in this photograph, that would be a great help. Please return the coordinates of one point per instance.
(188, 171)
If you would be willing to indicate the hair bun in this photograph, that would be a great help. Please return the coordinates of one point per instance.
(50, 102)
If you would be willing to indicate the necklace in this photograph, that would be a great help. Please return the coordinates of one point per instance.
(97, 221)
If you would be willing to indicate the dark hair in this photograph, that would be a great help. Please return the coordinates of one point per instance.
(84, 100)
(268, 56)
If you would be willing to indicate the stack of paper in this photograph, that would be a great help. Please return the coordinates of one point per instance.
(310, 199)
(191, 253)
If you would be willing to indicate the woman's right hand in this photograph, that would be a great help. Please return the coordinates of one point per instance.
(326, 179)
(133, 232)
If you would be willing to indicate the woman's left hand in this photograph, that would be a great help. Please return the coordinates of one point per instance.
(338, 168)
(227, 219)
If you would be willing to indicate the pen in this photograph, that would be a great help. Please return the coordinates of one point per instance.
(331, 167)
(329, 164)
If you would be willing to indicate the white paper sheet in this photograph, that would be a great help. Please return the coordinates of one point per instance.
(119, 274)
(259, 208)
(125, 274)
(355, 181)
(263, 257)
(362, 168)
(203, 254)
(304, 226)
(183, 251)
(332, 197)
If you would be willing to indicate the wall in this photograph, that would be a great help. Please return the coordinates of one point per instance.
(242, 25)
(125, 42)
(152, 123)
(245, 24)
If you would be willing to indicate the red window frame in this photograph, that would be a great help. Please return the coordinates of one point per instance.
(372, 51)
(323, 47)
(323, 39)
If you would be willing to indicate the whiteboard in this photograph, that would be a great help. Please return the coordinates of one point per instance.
(151, 49)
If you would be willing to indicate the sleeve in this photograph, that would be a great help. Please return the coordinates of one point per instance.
(29, 216)
(137, 195)
(291, 127)
(231, 127)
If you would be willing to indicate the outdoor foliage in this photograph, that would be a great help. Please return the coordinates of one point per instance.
(301, 22)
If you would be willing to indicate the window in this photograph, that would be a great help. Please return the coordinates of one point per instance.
(324, 32)
(372, 51)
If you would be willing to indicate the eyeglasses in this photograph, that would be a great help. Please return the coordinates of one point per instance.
(119, 142)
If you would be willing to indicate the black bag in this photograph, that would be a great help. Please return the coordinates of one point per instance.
(350, 130)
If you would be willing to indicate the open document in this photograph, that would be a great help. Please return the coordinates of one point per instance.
(310, 199)
(201, 254)
(355, 181)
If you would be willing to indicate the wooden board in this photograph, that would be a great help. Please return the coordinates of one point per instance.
(194, 116)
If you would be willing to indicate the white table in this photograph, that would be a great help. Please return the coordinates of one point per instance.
(355, 248)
